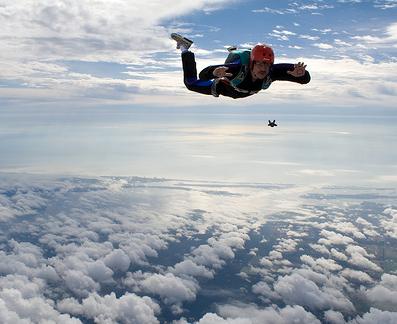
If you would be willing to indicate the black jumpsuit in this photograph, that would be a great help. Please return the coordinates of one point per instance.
(205, 83)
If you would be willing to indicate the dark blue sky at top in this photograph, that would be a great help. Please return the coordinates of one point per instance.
(238, 23)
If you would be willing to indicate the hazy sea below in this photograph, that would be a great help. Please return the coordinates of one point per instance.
(308, 145)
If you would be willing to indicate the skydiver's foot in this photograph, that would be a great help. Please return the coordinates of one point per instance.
(182, 43)
(232, 48)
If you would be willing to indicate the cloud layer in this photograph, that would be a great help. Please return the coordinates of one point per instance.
(135, 250)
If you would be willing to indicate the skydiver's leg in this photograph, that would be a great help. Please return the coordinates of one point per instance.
(190, 75)
(214, 88)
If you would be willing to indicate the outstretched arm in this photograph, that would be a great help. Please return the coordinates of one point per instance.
(219, 71)
(290, 72)
(229, 69)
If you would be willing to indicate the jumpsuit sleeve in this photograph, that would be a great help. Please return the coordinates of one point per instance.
(234, 67)
(279, 73)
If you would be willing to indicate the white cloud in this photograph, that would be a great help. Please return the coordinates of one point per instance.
(350, 1)
(179, 285)
(334, 317)
(370, 232)
(79, 283)
(20, 203)
(286, 245)
(333, 238)
(129, 308)
(338, 255)
(322, 31)
(347, 228)
(170, 288)
(78, 29)
(340, 42)
(26, 259)
(296, 234)
(22, 301)
(262, 288)
(189, 268)
(375, 316)
(320, 264)
(295, 47)
(246, 314)
(354, 275)
(320, 248)
(297, 290)
(389, 223)
(345, 67)
(265, 262)
(389, 38)
(275, 255)
(309, 37)
(281, 34)
(270, 10)
(323, 46)
(386, 4)
(352, 249)
(294, 8)
(39, 36)
(117, 260)
(363, 222)
(219, 250)
(384, 294)
(324, 279)
(316, 6)
(358, 257)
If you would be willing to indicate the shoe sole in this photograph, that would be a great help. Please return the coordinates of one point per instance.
(180, 39)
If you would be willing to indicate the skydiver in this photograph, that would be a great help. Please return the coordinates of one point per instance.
(272, 123)
(244, 73)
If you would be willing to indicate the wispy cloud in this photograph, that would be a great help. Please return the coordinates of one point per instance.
(38, 37)
(281, 34)
(309, 37)
(294, 8)
(273, 11)
(323, 46)
(389, 38)
(385, 4)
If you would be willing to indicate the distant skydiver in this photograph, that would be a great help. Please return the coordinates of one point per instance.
(244, 73)
(272, 123)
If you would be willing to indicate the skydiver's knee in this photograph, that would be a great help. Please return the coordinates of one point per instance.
(189, 86)
(190, 83)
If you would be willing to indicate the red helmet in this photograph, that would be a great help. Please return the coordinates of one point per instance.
(262, 53)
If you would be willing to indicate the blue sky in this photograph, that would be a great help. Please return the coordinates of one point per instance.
(119, 52)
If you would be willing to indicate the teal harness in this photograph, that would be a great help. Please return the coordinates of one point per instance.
(244, 56)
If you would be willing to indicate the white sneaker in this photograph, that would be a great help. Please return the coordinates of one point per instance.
(181, 41)
(232, 48)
